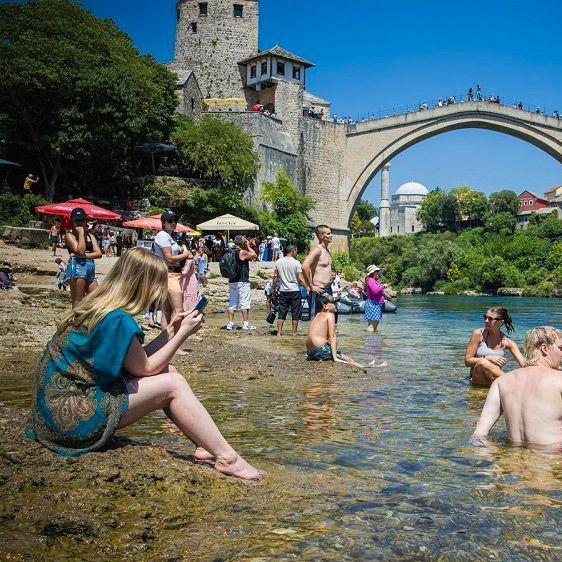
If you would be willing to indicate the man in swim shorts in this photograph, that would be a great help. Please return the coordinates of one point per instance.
(321, 341)
(530, 398)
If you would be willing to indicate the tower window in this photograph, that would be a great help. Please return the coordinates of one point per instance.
(412, 228)
(238, 10)
(253, 71)
(203, 7)
(194, 27)
(281, 68)
(192, 104)
(296, 72)
(264, 68)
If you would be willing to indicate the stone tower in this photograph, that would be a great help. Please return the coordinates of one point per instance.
(384, 212)
(211, 39)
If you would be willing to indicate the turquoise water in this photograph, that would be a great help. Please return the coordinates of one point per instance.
(384, 459)
(379, 465)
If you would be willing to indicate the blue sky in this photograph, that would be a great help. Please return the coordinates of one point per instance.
(373, 55)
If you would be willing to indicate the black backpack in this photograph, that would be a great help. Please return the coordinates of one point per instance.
(229, 266)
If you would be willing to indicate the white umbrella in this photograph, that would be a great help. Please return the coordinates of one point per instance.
(228, 223)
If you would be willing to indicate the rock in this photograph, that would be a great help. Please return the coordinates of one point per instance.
(411, 291)
(436, 293)
(510, 292)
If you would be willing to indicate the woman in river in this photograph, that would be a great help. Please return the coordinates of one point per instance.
(95, 376)
(83, 249)
(485, 352)
(375, 298)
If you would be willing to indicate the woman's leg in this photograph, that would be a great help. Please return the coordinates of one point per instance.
(78, 289)
(372, 326)
(484, 373)
(92, 285)
(169, 391)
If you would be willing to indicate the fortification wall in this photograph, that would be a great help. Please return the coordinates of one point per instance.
(324, 145)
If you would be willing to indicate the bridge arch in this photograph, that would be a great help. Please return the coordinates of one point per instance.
(371, 145)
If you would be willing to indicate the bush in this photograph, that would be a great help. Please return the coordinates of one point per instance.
(16, 210)
(544, 289)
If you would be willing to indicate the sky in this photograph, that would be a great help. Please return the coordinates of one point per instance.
(375, 55)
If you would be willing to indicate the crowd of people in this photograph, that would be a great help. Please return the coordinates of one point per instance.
(96, 375)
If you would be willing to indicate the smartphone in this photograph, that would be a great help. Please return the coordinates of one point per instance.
(202, 303)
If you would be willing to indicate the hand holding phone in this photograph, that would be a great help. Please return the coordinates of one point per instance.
(201, 304)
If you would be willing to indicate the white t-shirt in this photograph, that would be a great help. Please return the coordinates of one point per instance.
(275, 243)
(287, 268)
(164, 240)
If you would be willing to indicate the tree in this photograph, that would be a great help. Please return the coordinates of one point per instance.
(503, 223)
(77, 94)
(290, 209)
(450, 212)
(366, 210)
(361, 224)
(473, 205)
(430, 213)
(504, 201)
(217, 150)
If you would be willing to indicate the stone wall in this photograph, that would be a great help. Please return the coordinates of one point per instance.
(214, 47)
(191, 98)
(324, 145)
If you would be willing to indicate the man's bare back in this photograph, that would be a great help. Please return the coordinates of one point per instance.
(530, 398)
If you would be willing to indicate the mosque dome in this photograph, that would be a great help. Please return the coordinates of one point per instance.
(411, 188)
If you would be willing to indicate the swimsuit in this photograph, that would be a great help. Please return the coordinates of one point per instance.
(484, 350)
(322, 354)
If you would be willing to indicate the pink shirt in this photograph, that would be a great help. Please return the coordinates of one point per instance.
(374, 290)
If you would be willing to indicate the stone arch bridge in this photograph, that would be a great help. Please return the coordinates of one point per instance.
(352, 155)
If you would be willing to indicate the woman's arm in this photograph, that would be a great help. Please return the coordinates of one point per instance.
(515, 351)
(76, 245)
(375, 287)
(95, 254)
(171, 259)
(139, 364)
(470, 358)
(188, 267)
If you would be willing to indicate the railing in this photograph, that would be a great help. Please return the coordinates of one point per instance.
(443, 102)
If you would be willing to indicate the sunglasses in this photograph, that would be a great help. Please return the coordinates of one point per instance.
(490, 318)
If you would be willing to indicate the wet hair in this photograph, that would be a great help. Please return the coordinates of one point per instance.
(324, 300)
(320, 230)
(504, 315)
(535, 338)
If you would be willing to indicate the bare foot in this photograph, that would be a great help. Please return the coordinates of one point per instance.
(203, 455)
(181, 353)
(372, 364)
(239, 468)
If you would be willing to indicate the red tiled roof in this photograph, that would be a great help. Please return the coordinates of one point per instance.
(553, 189)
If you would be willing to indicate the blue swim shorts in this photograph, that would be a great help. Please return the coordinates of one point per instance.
(81, 268)
(322, 354)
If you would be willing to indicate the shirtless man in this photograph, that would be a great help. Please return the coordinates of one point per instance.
(317, 269)
(321, 341)
(530, 397)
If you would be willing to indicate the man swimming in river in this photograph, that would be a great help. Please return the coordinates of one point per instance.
(529, 397)
(321, 341)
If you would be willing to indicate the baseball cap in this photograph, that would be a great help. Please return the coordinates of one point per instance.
(169, 216)
(78, 214)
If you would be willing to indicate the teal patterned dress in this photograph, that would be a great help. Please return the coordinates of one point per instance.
(79, 391)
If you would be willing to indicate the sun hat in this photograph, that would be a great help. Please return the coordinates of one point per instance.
(372, 268)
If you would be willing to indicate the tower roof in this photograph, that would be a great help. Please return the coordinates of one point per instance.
(277, 51)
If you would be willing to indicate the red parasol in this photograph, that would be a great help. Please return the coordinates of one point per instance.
(92, 211)
(154, 223)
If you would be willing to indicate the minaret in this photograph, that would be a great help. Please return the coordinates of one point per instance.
(384, 210)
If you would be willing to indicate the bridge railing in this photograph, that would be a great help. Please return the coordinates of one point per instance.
(440, 102)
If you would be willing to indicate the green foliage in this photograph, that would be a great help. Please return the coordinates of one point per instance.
(504, 201)
(16, 210)
(502, 223)
(217, 150)
(77, 94)
(476, 259)
(430, 213)
(473, 205)
(342, 262)
(361, 224)
(289, 216)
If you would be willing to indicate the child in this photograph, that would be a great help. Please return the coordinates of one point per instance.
(202, 268)
(7, 279)
(61, 274)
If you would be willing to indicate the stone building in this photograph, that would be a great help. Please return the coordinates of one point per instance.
(222, 72)
(399, 216)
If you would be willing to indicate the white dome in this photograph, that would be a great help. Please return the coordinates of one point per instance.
(411, 188)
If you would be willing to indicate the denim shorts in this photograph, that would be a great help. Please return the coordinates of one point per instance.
(81, 268)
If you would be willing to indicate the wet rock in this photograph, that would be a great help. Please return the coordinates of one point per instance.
(69, 526)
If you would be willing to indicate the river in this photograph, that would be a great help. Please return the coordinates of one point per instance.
(379, 465)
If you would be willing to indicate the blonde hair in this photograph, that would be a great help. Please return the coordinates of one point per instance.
(535, 338)
(135, 282)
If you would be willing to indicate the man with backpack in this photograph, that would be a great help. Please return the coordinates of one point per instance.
(235, 265)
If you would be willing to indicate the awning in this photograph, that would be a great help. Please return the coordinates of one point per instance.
(227, 222)
(92, 211)
(154, 223)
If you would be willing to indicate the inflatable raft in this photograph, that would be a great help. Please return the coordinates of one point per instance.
(356, 306)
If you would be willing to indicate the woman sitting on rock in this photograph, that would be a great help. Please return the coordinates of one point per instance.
(485, 352)
(95, 376)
